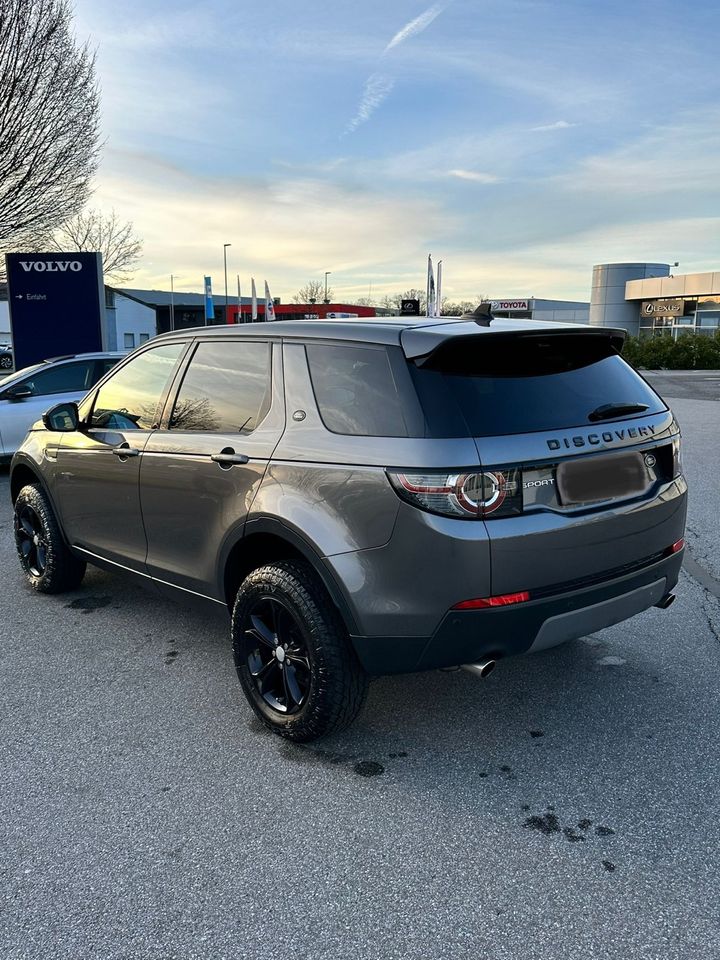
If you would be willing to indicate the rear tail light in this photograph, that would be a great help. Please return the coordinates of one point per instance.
(470, 496)
(503, 600)
(676, 547)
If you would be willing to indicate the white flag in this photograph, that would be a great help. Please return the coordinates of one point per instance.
(254, 299)
(269, 305)
(430, 308)
(438, 292)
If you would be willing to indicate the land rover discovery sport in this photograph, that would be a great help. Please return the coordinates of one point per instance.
(365, 497)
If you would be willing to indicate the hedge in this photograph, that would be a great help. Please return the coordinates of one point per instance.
(691, 351)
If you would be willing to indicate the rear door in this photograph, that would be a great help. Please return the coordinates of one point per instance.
(584, 442)
(201, 470)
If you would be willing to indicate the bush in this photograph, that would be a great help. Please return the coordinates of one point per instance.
(691, 351)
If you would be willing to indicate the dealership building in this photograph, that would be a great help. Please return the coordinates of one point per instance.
(647, 300)
(533, 308)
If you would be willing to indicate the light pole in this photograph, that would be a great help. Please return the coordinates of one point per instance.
(327, 272)
(225, 246)
(172, 303)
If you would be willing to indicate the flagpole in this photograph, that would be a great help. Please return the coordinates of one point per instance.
(239, 316)
(438, 290)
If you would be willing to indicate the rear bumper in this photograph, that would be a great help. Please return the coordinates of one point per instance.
(469, 636)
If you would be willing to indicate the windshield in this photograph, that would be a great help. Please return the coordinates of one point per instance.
(492, 386)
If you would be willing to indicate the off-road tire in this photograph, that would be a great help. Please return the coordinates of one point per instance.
(338, 684)
(61, 570)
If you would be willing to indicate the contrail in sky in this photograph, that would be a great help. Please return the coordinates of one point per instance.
(416, 26)
(379, 85)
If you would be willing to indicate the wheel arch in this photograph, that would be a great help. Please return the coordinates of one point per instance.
(21, 474)
(266, 539)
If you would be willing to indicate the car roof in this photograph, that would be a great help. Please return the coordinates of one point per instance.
(418, 336)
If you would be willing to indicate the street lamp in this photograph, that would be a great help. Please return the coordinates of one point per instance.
(225, 246)
(326, 276)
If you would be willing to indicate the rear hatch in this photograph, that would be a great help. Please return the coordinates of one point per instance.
(584, 452)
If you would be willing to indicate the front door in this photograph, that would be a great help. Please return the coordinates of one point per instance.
(201, 470)
(97, 487)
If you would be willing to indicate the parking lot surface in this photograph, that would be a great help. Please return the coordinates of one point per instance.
(565, 807)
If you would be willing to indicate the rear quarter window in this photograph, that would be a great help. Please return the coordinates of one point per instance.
(355, 390)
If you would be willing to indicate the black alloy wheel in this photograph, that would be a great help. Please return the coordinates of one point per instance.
(31, 540)
(5, 362)
(277, 658)
(45, 558)
(293, 656)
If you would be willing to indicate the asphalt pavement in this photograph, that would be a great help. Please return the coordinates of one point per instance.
(566, 807)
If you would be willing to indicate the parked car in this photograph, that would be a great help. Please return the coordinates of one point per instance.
(6, 356)
(26, 394)
(365, 497)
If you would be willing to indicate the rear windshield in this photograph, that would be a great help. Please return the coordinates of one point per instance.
(494, 385)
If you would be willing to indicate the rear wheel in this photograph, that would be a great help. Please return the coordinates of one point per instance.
(44, 556)
(292, 653)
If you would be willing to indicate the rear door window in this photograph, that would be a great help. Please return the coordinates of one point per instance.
(492, 385)
(226, 389)
(355, 390)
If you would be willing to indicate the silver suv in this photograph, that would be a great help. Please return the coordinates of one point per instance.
(365, 497)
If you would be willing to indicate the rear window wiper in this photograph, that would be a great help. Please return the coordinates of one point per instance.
(608, 410)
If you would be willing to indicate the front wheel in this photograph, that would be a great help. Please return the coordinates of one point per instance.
(292, 653)
(5, 363)
(44, 556)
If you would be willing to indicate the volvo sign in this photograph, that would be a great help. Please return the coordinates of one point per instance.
(57, 305)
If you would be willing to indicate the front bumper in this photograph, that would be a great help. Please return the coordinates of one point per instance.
(469, 636)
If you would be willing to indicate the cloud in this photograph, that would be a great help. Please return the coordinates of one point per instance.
(377, 87)
(475, 175)
(416, 26)
(558, 125)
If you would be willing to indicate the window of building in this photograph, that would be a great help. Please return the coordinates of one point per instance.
(226, 389)
(355, 390)
(129, 400)
(129, 340)
(144, 337)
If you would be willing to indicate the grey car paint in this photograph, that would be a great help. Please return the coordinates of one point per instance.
(173, 514)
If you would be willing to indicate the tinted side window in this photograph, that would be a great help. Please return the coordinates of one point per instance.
(355, 390)
(226, 388)
(129, 399)
(65, 378)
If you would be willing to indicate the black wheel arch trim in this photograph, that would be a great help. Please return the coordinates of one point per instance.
(21, 459)
(277, 528)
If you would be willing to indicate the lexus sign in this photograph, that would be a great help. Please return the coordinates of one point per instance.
(510, 305)
(662, 308)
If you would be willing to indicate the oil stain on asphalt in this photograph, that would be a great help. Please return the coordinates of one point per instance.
(89, 604)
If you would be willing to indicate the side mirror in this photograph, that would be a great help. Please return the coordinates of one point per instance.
(62, 417)
(20, 392)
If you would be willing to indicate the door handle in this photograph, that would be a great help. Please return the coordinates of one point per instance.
(125, 450)
(228, 458)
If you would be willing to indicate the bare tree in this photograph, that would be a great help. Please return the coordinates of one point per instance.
(93, 231)
(313, 292)
(48, 120)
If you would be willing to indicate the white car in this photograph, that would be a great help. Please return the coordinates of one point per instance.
(26, 394)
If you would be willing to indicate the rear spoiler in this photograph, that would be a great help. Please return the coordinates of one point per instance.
(419, 343)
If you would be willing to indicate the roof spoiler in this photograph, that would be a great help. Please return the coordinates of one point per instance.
(419, 343)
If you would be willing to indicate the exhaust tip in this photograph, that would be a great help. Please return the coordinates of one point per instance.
(667, 601)
(482, 669)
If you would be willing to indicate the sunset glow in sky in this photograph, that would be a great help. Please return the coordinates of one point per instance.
(522, 142)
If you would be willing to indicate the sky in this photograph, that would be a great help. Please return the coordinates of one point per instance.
(520, 142)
